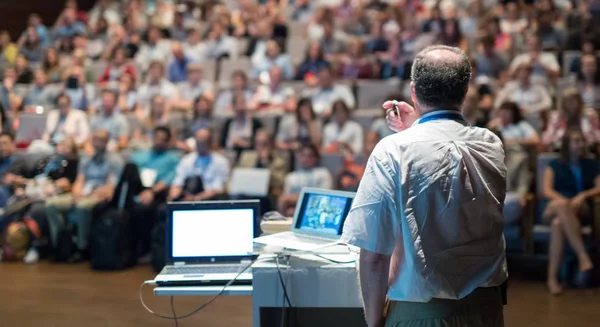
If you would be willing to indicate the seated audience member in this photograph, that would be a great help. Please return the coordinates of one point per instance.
(58, 172)
(353, 171)
(569, 185)
(14, 171)
(194, 87)
(328, 92)
(471, 111)
(39, 94)
(532, 98)
(110, 119)
(239, 84)
(341, 134)
(308, 174)
(273, 58)
(96, 180)
(156, 49)
(355, 63)
(127, 99)
(543, 64)
(202, 118)
(588, 81)
(76, 90)
(451, 34)
(571, 115)
(155, 166)
(272, 96)
(502, 41)
(208, 165)
(312, 63)
(588, 48)
(117, 67)
(220, 45)
(31, 46)
(264, 156)
(24, 73)
(178, 67)
(514, 22)
(551, 38)
(298, 128)
(160, 115)
(519, 138)
(194, 48)
(490, 63)
(156, 84)
(332, 44)
(483, 85)
(51, 66)
(238, 132)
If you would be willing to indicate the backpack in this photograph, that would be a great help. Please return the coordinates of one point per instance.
(111, 242)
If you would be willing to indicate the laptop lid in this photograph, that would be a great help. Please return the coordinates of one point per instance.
(250, 181)
(31, 127)
(211, 231)
(321, 212)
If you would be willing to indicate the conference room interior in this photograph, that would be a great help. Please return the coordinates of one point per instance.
(291, 86)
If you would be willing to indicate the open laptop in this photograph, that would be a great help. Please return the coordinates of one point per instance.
(318, 221)
(249, 181)
(209, 243)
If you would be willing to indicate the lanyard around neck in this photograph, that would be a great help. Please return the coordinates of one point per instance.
(442, 115)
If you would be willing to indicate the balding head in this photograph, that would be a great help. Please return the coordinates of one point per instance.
(440, 78)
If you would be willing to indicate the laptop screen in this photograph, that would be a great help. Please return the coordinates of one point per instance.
(212, 233)
(323, 213)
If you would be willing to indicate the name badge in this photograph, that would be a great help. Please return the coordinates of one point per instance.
(148, 177)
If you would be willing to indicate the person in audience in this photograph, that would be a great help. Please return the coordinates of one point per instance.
(328, 92)
(178, 30)
(110, 119)
(51, 66)
(551, 38)
(14, 171)
(502, 41)
(127, 98)
(341, 134)
(544, 64)
(238, 132)
(194, 87)
(301, 127)
(264, 156)
(117, 68)
(471, 110)
(332, 45)
(571, 115)
(31, 45)
(490, 63)
(8, 49)
(272, 96)
(39, 94)
(24, 73)
(588, 81)
(569, 184)
(220, 45)
(96, 180)
(178, 67)
(588, 48)
(308, 174)
(513, 22)
(202, 118)
(239, 84)
(273, 58)
(34, 20)
(257, 45)
(157, 84)
(193, 47)
(532, 98)
(353, 171)
(75, 88)
(66, 122)
(155, 166)
(520, 141)
(210, 166)
(313, 61)
(354, 64)
(10, 100)
(156, 49)
(451, 34)
(68, 27)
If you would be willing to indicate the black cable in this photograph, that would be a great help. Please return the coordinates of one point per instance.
(334, 261)
(173, 311)
(286, 297)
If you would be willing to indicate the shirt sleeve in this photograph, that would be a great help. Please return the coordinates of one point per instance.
(170, 176)
(181, 172)
(220, 181)
(373, 223)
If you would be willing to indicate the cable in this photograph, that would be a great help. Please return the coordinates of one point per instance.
(173, 310)
(334, 261)
(286, 297)
(207, 303)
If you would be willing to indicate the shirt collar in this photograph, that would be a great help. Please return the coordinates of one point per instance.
(434, 113)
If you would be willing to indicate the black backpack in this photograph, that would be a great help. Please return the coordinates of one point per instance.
(111, 241)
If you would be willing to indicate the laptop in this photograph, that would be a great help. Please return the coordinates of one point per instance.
(31, 127)
(209, 243)
(250, 181)
(318, 221)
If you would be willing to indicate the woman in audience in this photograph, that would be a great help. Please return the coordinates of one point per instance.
(571, 114)
(264, 156)
(8, 49)
(300, 127)
(588, 81)
(52, 67)
(201, 119)
(569, 185)
(355, 63)
(239, 83)
(513, 23)
(471, 110)
(520, 138)
(117, 67)
(24, 73)
(341, 134)
(127, 99)
(451, 34)
(313, 61)
(273, 57)
(238, 132)
(31, 45)
(503, 39)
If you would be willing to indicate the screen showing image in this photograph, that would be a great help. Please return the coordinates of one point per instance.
(324, 213)
(213, 233)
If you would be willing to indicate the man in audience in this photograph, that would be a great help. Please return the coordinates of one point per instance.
(66, 122)
(14, 171)
(156, 173)
(545, 64)
(68, 26)
(39, 94)
(328, 92)
(273, 96)
(193, 47)
(332, 45)
(96, 180)
(220, 45)
(156, 50)
(110, 119)
(308, 174)
(193, 87)
(157, 84)
(490, 63)
(178, 67)
(211, 167)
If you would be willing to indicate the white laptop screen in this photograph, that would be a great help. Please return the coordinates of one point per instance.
(323, 213)
(212, 233)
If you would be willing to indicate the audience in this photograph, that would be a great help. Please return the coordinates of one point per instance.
(341, 134)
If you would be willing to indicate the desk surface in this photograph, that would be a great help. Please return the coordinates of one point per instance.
(234, 290)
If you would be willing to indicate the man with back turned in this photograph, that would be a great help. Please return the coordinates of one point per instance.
(427, 216)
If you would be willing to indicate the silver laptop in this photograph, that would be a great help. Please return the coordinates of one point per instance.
(31, 127)
(318, 221)
(209, 243)
(249, 181)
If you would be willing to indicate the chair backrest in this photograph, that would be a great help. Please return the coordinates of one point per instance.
(370, 93)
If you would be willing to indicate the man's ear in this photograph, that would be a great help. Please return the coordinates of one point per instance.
(413, 95)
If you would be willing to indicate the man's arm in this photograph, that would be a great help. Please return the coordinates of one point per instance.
(373, 270)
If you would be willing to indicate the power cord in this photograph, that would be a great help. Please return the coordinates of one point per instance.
(207, 303)
(286, 297)
(173, 311)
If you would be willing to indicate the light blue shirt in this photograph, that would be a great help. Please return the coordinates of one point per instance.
(116, 124)
(282, 61)
(162, 163)
(213, 169)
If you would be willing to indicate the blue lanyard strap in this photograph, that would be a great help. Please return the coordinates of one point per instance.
(441, 115)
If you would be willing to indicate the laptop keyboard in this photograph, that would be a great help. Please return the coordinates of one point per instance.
(305, 238)
(206, 270)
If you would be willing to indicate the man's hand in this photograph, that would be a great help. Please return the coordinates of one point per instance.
(146, 197)
(408, 115)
